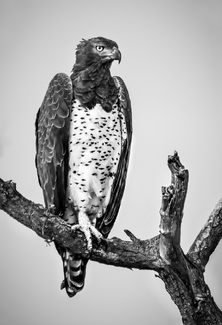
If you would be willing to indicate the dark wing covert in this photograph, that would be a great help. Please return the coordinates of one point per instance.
(105, 224)
(52, 136)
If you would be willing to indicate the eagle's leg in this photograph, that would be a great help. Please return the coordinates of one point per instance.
(86, 226)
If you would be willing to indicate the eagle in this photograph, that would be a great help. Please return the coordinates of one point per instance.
(83, 138)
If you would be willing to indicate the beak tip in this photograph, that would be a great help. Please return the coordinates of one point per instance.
(119, 59)
(117, 55)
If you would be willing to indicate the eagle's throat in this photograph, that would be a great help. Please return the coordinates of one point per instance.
(95, 85)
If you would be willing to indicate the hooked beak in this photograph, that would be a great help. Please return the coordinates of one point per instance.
(116, 54)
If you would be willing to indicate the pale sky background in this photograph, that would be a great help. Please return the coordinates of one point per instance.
(172, 66)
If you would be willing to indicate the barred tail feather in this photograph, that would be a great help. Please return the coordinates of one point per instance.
(74, 272)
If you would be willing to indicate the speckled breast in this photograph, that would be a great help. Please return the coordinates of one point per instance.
(96, 139)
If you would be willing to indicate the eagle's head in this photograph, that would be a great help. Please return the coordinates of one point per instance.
(91, 78)
(96, 50)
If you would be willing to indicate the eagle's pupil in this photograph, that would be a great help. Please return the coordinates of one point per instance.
(99, 48)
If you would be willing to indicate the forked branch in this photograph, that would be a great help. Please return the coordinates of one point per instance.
(182, 274)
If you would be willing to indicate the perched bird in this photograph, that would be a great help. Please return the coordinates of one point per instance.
(83, 137)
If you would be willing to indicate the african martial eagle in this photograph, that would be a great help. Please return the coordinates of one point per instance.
(83, 137)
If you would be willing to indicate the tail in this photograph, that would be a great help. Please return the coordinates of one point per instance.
(74, 266)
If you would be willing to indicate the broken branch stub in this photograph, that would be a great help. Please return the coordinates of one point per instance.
(171, 212)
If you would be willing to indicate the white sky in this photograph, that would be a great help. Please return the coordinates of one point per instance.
(172, 65)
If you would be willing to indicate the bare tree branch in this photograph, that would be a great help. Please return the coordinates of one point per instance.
(182, 274)
(208, 238)
(171, 212)
(141, 254)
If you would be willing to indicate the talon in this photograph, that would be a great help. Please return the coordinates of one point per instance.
(87, 234)
(87, 229)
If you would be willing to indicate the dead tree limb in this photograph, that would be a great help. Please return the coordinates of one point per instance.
(183, 274)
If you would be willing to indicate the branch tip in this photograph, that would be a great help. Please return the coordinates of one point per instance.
(174, 164)
(131, 235)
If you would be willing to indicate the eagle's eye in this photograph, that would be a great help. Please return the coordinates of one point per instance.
(99, 48)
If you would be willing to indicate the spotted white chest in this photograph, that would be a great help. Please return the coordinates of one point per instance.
(95, 143)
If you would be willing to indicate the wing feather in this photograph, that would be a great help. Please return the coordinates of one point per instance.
(105, 224)
(52, 135)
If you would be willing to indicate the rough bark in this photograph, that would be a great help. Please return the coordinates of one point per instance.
(183, 274)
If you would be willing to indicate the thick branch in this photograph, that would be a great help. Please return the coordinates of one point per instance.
(208, 238)
(173, 198)
(182, 274)
(195, 301)
(141, 254)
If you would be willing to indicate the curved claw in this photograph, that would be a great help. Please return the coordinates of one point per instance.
(88, 230)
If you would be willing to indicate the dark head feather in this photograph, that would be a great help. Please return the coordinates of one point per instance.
(84, 43)
(91, 77)
(86, 54)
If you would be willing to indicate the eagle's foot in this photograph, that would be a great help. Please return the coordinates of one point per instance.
(88, 230)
